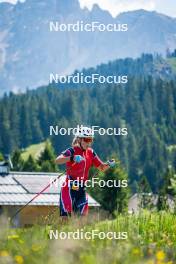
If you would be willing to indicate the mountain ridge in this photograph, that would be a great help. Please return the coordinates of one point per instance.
(29, 52)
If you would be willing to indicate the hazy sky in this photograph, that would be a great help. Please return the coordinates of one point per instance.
(167, 7)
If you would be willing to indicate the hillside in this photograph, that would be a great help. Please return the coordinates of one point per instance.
(145, 106)
(172, 63)
(33, 150)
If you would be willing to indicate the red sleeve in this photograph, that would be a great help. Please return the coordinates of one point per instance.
(96, 160)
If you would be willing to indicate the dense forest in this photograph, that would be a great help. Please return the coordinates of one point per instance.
(146, 106)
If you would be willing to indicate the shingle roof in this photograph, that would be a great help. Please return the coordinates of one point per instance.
(17, 188)
(9, 189)
(7, 180)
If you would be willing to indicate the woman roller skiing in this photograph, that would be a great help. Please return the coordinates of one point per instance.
(79, 159)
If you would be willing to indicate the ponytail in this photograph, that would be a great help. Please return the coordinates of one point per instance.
(75, 142)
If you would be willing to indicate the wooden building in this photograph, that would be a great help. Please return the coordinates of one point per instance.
(18, 188)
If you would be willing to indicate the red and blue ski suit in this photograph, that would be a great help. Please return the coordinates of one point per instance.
(71, 199)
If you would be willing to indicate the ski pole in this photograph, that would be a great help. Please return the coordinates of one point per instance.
(20, 209)
(38, 194)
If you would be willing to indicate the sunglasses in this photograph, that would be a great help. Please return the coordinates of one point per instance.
(88, 140)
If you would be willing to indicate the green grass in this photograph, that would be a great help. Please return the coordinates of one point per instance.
(33, 150)
(151, 240)
(171, 148)
(172, 62)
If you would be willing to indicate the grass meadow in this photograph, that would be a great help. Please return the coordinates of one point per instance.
(151, 239)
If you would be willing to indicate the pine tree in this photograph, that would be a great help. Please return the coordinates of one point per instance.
(162, 201)
(47, 166)
(145, 193)
(47, 158)
(30, 164)
(165, 190)
(115, 199)
(1, 157)
(172, 187)
(17, 160)
(25, 125)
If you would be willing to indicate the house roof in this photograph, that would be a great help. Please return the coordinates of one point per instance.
(18, 188)
(134, 203)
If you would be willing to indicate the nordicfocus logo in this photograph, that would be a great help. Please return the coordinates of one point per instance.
(81, 234)
(110, 131)
(81, 183)
(80, 78)
(81, 26)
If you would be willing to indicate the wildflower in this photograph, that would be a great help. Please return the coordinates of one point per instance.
(4, 253)
(36, 247)
(160, 255)
(19, 259)
(150, 251)
(13, 237)
(136, 251)
(21, 241)
(151, 262)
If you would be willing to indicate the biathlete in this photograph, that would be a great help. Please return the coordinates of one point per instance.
(79, 159)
